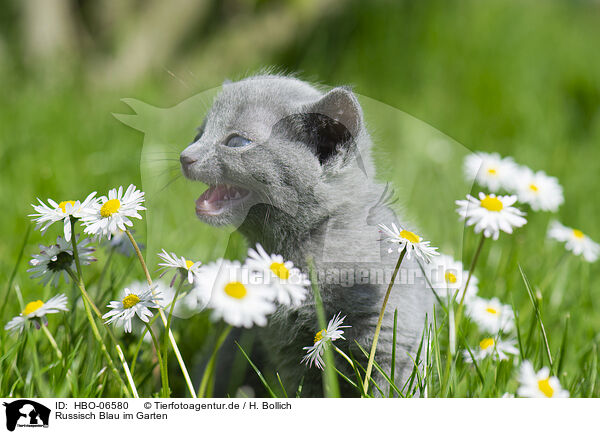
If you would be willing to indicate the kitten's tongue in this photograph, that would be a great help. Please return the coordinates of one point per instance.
(213, 200)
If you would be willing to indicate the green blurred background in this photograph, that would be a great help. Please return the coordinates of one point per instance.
(522, 78)
(518, 77)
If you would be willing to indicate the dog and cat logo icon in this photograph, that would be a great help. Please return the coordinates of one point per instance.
(26, 413)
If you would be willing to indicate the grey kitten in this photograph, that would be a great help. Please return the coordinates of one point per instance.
(291, 167)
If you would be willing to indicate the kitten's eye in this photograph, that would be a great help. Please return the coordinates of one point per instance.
(237, 142)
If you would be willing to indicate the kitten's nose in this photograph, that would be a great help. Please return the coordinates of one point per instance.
(186, 160)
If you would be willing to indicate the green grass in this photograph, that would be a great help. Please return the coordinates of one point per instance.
(519, 78)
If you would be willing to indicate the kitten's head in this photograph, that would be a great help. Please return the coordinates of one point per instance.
(274, 145)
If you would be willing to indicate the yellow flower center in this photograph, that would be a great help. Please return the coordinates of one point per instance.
(491, 310)
(534, 188)
(280, 270)
(110, 207)
(32, 307)
(545, 388)
(320, 335)
(130, 301)
(492, 172)
(450, 277)
(492, 204)
(188, 264)
(410, 236)
(63, 204)
(578, 234)
(486, 343)
(236, 290)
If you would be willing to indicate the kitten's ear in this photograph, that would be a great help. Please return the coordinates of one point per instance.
(328, 126)
(332, 124)
(340, 105)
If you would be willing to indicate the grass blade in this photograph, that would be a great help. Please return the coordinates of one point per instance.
(519, 339)
(593, 371)
(14, 272)
(330, 380)
(563, 346)
(538, 316)
(393, 364)
(260, 375)
(209, 371)
(281, 385)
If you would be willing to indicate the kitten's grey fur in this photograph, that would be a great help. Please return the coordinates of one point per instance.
(310, 173)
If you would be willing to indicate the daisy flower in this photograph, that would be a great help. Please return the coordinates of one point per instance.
(540, 191)
(450, 277)
(491, 214)
(491, 315)
(54, 212)
(575, 241)
(135, 300)
(186, 267)
(540, 384)
(231, 296)
(331, 333)
(55, 260)
(286, 282)
(496, 348)
(408, 240)
(36, 311)
(113, 212)
(490, 170)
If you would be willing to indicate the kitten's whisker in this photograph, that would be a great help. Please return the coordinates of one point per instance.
(170, 182)
(164, 159)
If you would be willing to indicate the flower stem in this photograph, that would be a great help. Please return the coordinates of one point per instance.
(210, 366)
(379, 323)
(89, 305)
(52, 341)
(165, 347)
(161, 312)
(344, 355)
(471, 270)
(96, 333)
(163, 376)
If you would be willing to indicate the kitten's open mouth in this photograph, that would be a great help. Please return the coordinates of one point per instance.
(219, 198)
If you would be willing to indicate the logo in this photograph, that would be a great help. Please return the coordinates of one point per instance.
(26, 413)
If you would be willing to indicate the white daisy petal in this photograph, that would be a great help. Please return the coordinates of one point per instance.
(36, 311)
(134, 301)
(189, 270)
(113, 212)
(408, 241)
(285, 283)
(232, 296)
(495, 348)
(540, 384)
(449, 277)
(491, 315)
(332, 333)
(46, 215)
(540, 191)
(53, 261)
(575, 241)
(490, 170)
(490, 214)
